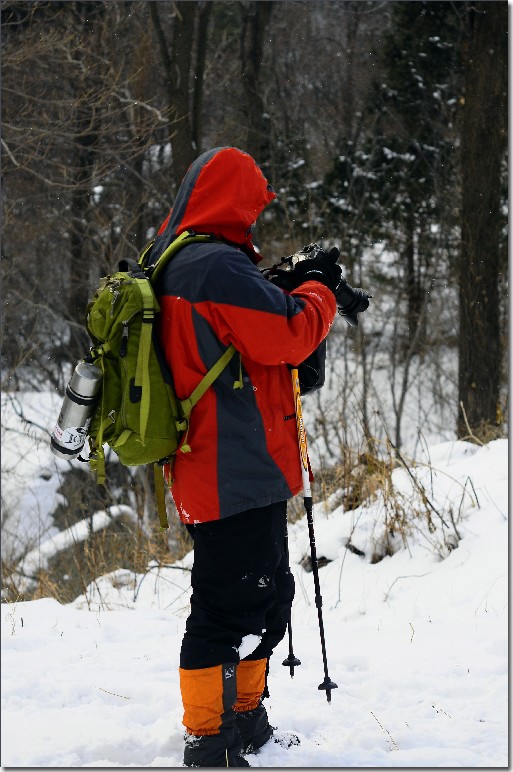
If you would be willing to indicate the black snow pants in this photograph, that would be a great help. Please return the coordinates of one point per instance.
(241, 585)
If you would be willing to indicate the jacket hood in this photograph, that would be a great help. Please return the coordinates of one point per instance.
(222, 193)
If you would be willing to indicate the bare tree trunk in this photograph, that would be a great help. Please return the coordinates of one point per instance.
(204, 11)
(80, 239)
(86, 132)
(177, 66)
(412, 313)
(347, 85)
(483, 141)
(255, 17)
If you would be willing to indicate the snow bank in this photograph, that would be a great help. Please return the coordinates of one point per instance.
(31, 474)
(38, 559)
(417, 645)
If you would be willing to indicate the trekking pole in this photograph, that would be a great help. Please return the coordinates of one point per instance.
(291, 661)
(327, 685)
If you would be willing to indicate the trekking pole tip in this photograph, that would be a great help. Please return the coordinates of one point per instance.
(294, 661)
(291, 662)
(327, 686)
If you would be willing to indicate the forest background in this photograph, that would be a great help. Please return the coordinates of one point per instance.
(383, 127)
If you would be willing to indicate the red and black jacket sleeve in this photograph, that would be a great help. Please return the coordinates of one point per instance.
(264, 323)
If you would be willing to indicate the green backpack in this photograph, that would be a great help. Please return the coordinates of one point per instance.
(138, 414)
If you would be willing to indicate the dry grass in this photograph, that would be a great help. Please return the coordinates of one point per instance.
(127, 542)
(360, 478)
(401, 518)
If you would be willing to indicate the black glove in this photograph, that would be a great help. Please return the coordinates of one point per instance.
(351, 301)
(285, 280)
(323, 267)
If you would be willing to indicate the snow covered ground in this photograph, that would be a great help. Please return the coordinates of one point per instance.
(416, 642)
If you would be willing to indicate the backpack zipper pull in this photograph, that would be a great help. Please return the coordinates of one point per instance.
(124, 340)
(115, 294)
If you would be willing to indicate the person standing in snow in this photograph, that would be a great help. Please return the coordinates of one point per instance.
(231, 490)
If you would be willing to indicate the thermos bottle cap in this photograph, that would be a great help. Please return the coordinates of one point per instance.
(86, 379)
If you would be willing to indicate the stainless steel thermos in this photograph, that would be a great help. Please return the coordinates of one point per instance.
(77, 409)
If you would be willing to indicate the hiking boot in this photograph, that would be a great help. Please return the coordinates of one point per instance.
(212, 738)
(254, 727)
(214, 750)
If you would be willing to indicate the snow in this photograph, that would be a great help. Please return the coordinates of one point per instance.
(416, 642)
(30, 472)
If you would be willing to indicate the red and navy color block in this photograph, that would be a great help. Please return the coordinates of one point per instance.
(244, 451)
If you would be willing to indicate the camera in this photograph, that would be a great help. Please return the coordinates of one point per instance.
(350, 301)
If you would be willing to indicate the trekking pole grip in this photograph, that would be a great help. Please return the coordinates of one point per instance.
(301, 435)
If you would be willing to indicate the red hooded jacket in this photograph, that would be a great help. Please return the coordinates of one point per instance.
(244, 449)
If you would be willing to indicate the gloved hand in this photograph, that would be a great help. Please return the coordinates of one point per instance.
(283, 279)
(323, 268)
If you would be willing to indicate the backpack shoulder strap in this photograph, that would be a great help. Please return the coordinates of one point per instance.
(207, 381)
(187, 237)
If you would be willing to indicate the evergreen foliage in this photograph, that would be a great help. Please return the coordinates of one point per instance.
(359, 128)
(396, 183)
